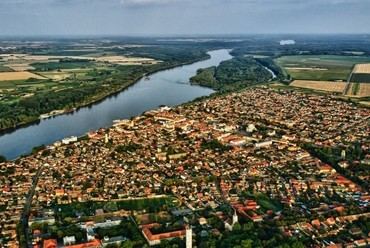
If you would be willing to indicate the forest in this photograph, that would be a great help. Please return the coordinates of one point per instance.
(235, 74)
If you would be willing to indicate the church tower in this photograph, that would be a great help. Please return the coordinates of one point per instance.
(189, 236)
(235, 218)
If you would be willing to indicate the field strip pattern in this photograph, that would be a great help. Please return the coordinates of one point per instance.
(364, 90)
(362, 68)
(320, 85)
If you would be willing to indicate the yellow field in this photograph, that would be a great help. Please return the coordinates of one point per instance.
(365, 103)
(126, 60)
(364, 90)
(9, 76)
(306, 69)
(362, 68)
(28, 59)
(20, 67)
(320, 85)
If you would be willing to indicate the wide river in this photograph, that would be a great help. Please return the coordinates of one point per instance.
(170, 87)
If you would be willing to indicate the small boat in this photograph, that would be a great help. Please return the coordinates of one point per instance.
(147, 78)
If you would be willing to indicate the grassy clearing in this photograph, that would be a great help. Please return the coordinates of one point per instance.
(320, 67)
(269, 204)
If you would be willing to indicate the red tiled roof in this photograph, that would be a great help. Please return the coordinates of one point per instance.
(95, 242)
(50, 243)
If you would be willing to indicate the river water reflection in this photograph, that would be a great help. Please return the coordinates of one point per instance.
(170, 87)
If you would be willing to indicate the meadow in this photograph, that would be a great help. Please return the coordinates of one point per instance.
(320, 67)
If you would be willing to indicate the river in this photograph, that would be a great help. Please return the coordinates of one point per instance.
(169, 87)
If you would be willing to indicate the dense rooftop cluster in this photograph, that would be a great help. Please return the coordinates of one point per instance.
(260, 142)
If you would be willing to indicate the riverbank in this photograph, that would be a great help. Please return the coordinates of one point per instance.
(95, 98)
(167, 86)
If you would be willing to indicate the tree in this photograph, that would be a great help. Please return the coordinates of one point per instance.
(127, 244)
(2, 159)
(248, 226)
(247, 243)
(237, 227)
(164, 243)
(60, 234)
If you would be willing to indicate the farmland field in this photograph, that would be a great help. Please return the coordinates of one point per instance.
(359, 90)
(364, 90)
(361, 73)
(10, 76)
(320, 85)
(19, 66)
(5, 69)
(59, 66)
(320, 67)
(362, 68)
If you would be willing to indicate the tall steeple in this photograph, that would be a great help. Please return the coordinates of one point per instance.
(235, 218)
(189, 236)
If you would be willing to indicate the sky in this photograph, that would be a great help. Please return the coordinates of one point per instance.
(182, 17)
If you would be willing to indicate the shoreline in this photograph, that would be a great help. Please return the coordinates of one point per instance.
(90, 103)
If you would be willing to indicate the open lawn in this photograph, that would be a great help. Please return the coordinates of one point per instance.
(269, 204)
(320, 85)
(10, 76)
(320, 67)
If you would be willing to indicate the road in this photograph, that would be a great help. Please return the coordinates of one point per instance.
(26, 210)
(348, 84)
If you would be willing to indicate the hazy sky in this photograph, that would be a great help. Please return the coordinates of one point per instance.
(165, 17)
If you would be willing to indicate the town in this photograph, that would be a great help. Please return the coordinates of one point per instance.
(258, 168)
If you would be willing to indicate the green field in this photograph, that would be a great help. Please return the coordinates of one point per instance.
(5, 69)
(320, 67)
(60, 66)
(360, 78)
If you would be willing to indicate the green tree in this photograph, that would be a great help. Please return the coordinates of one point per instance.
(127, 244)
(247, 243)
(2, 159)
(237, 227)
